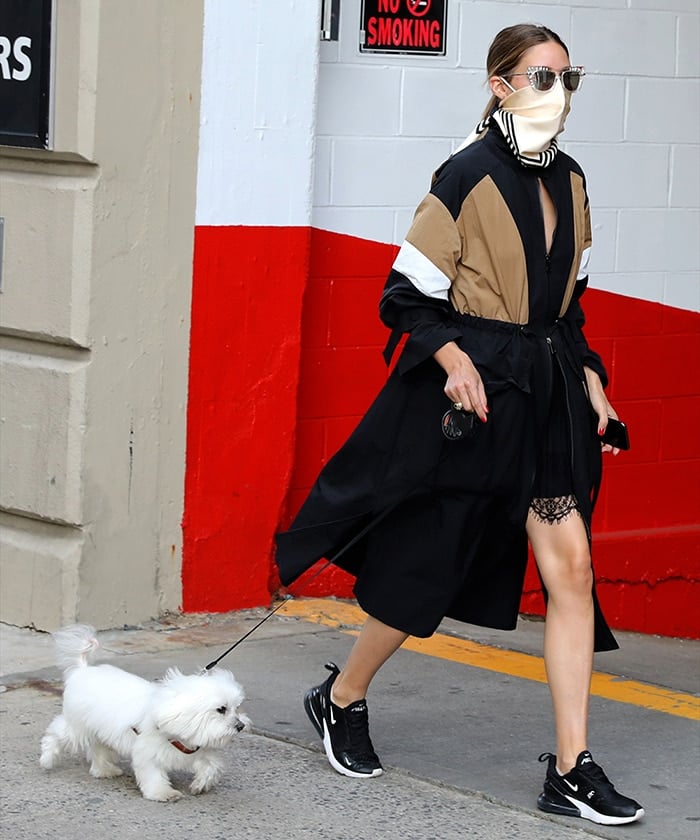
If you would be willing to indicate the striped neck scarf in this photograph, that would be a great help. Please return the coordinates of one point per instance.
(507, 124)
(530, 120)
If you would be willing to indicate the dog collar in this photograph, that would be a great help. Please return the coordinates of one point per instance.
(177, 744)
(183, 748)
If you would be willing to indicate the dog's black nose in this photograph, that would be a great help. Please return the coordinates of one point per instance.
(240, 726)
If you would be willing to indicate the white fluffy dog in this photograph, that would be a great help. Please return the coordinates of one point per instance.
(177, 723)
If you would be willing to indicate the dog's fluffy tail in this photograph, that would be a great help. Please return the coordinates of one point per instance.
(76, 646)
(55, 743)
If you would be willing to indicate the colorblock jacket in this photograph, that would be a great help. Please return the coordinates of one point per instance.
(475, 241)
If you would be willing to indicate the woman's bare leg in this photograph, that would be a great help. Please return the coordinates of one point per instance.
(374, 645)
(563, 558)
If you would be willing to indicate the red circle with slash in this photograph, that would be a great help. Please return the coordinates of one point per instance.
(414, 7)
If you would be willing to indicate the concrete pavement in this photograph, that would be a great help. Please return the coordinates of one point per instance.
(459, 743)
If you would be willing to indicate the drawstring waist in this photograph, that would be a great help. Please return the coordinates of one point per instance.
(535, 329)
(507, 353)
(521, 342)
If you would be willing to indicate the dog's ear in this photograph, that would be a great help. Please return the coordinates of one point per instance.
(182, 704)
(175, 711)
(227, 681)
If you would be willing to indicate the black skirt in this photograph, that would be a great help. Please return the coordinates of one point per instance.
(433, 527)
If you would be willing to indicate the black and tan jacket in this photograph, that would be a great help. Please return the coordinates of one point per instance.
(477, 247)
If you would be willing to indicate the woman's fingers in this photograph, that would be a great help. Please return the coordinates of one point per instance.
(605, 412)
(483, 408)
(471, 394)
(464, 386)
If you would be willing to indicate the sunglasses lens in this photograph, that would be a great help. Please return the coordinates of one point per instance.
(572, 79)
(543, 79)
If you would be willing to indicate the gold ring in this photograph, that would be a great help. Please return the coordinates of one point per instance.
(458, 406)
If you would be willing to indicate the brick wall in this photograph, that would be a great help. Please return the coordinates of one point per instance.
(646, 533)
(383, 125)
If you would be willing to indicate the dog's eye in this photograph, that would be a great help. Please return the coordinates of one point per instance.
(222, 710)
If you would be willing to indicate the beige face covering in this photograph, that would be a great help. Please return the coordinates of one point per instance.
(530, 120)
(537, 116)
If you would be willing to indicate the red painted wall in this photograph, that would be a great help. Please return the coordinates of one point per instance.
(241, 413)
(341, 367)
(646, 530)
(647, 524)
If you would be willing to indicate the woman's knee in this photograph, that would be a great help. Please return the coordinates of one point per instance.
(569, 574)
(577, 576)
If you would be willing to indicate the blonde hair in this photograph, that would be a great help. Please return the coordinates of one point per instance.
(508, 48)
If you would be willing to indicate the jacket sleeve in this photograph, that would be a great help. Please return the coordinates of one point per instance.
(415, 299)
(575, 320)
(574, 317)
(406, 310)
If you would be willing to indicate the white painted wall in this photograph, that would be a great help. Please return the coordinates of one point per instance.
(384, 123)
(259, 80)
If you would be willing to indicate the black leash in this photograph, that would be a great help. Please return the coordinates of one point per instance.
(323, 568)
(455, 424)
(252, 630)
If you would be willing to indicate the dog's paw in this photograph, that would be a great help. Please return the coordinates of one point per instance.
(166, 794)
(106, 771)
(201, 785)
(206, 776)
(48, 760)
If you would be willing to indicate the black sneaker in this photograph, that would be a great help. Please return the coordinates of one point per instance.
(345, 732)
(585, 792)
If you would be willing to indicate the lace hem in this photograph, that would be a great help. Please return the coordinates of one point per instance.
(554, 510)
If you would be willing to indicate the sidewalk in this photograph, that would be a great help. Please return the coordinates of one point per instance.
(459, 743)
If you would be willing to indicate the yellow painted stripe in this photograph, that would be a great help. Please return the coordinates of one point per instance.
(348, 617)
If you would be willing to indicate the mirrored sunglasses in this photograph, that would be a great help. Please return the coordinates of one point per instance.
(543, 78)
(457, 423)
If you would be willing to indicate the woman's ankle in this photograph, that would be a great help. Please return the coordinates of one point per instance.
(567, 760)
(343, 695)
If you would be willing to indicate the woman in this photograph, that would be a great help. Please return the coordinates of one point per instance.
(431, 506)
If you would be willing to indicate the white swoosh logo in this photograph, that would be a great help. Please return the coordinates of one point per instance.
(573, 787)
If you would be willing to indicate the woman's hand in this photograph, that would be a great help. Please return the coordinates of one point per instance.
(601, 406)
(464, 383)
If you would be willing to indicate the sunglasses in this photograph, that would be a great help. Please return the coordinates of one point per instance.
(457, 423)
(543, 78)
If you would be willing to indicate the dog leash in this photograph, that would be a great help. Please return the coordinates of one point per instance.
(454, 426)
(252, 630)
(323, 568)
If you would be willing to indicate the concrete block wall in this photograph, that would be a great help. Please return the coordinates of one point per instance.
(285, 343)
(251, 266)
(385, 123)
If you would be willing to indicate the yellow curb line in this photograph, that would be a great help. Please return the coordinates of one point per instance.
(348, 617)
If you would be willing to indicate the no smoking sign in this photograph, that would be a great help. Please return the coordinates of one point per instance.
(409, 27)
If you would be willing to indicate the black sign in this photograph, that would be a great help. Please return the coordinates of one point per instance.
(25, 72)
(416, 27)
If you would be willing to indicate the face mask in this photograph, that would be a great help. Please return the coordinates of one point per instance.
(530, 121)
(537, 116)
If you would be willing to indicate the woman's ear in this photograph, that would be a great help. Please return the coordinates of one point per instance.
(498, 87)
